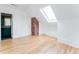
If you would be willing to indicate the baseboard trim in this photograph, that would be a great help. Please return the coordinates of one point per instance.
(69, 43)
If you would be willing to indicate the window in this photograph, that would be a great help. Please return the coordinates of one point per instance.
(48, 14)
(7, 21)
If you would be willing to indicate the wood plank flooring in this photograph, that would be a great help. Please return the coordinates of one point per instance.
(35, 45)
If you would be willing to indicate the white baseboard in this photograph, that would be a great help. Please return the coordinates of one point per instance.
(70, 42)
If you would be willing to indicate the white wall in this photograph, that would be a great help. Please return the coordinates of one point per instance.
(68, 31)
(68, 23)
(21, 21)
(50, 28)
(45, 27)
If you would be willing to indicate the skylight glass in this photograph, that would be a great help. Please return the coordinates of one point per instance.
(48, 14)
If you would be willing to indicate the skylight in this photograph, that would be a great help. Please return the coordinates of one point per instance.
(48, 14)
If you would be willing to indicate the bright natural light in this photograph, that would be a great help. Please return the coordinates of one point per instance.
(48, 14)
(7, 22)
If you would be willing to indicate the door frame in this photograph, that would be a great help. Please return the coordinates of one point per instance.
(11, 22)
(34, 26)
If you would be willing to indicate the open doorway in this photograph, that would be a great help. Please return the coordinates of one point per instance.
(34, 26)
(6, 25)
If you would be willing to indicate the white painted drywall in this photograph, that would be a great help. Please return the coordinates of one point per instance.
(68, 31)
(21, 21)
(50, 28)
(68, 23)
(45, 27)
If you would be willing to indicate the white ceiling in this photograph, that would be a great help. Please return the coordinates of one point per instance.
(33, 10)
(62, 11)
(66, 11)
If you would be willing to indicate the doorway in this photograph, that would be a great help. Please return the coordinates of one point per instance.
(6, 25)
(34, 26)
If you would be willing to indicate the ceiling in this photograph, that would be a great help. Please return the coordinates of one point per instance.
(34, 10)
(62, 11)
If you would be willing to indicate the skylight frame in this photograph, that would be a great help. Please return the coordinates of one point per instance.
(48, 14)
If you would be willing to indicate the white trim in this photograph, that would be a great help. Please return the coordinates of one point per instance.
(68, 42)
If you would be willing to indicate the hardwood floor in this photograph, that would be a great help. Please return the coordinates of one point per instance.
(35, 44)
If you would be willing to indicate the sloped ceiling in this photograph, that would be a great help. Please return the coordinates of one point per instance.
(66, 11)
(62, 11)
(33, 10)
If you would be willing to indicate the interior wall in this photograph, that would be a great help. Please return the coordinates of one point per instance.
(50, 29)
(68, 31)
(21, 21)
(0, 26)
(45, 27)
(68, 23)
